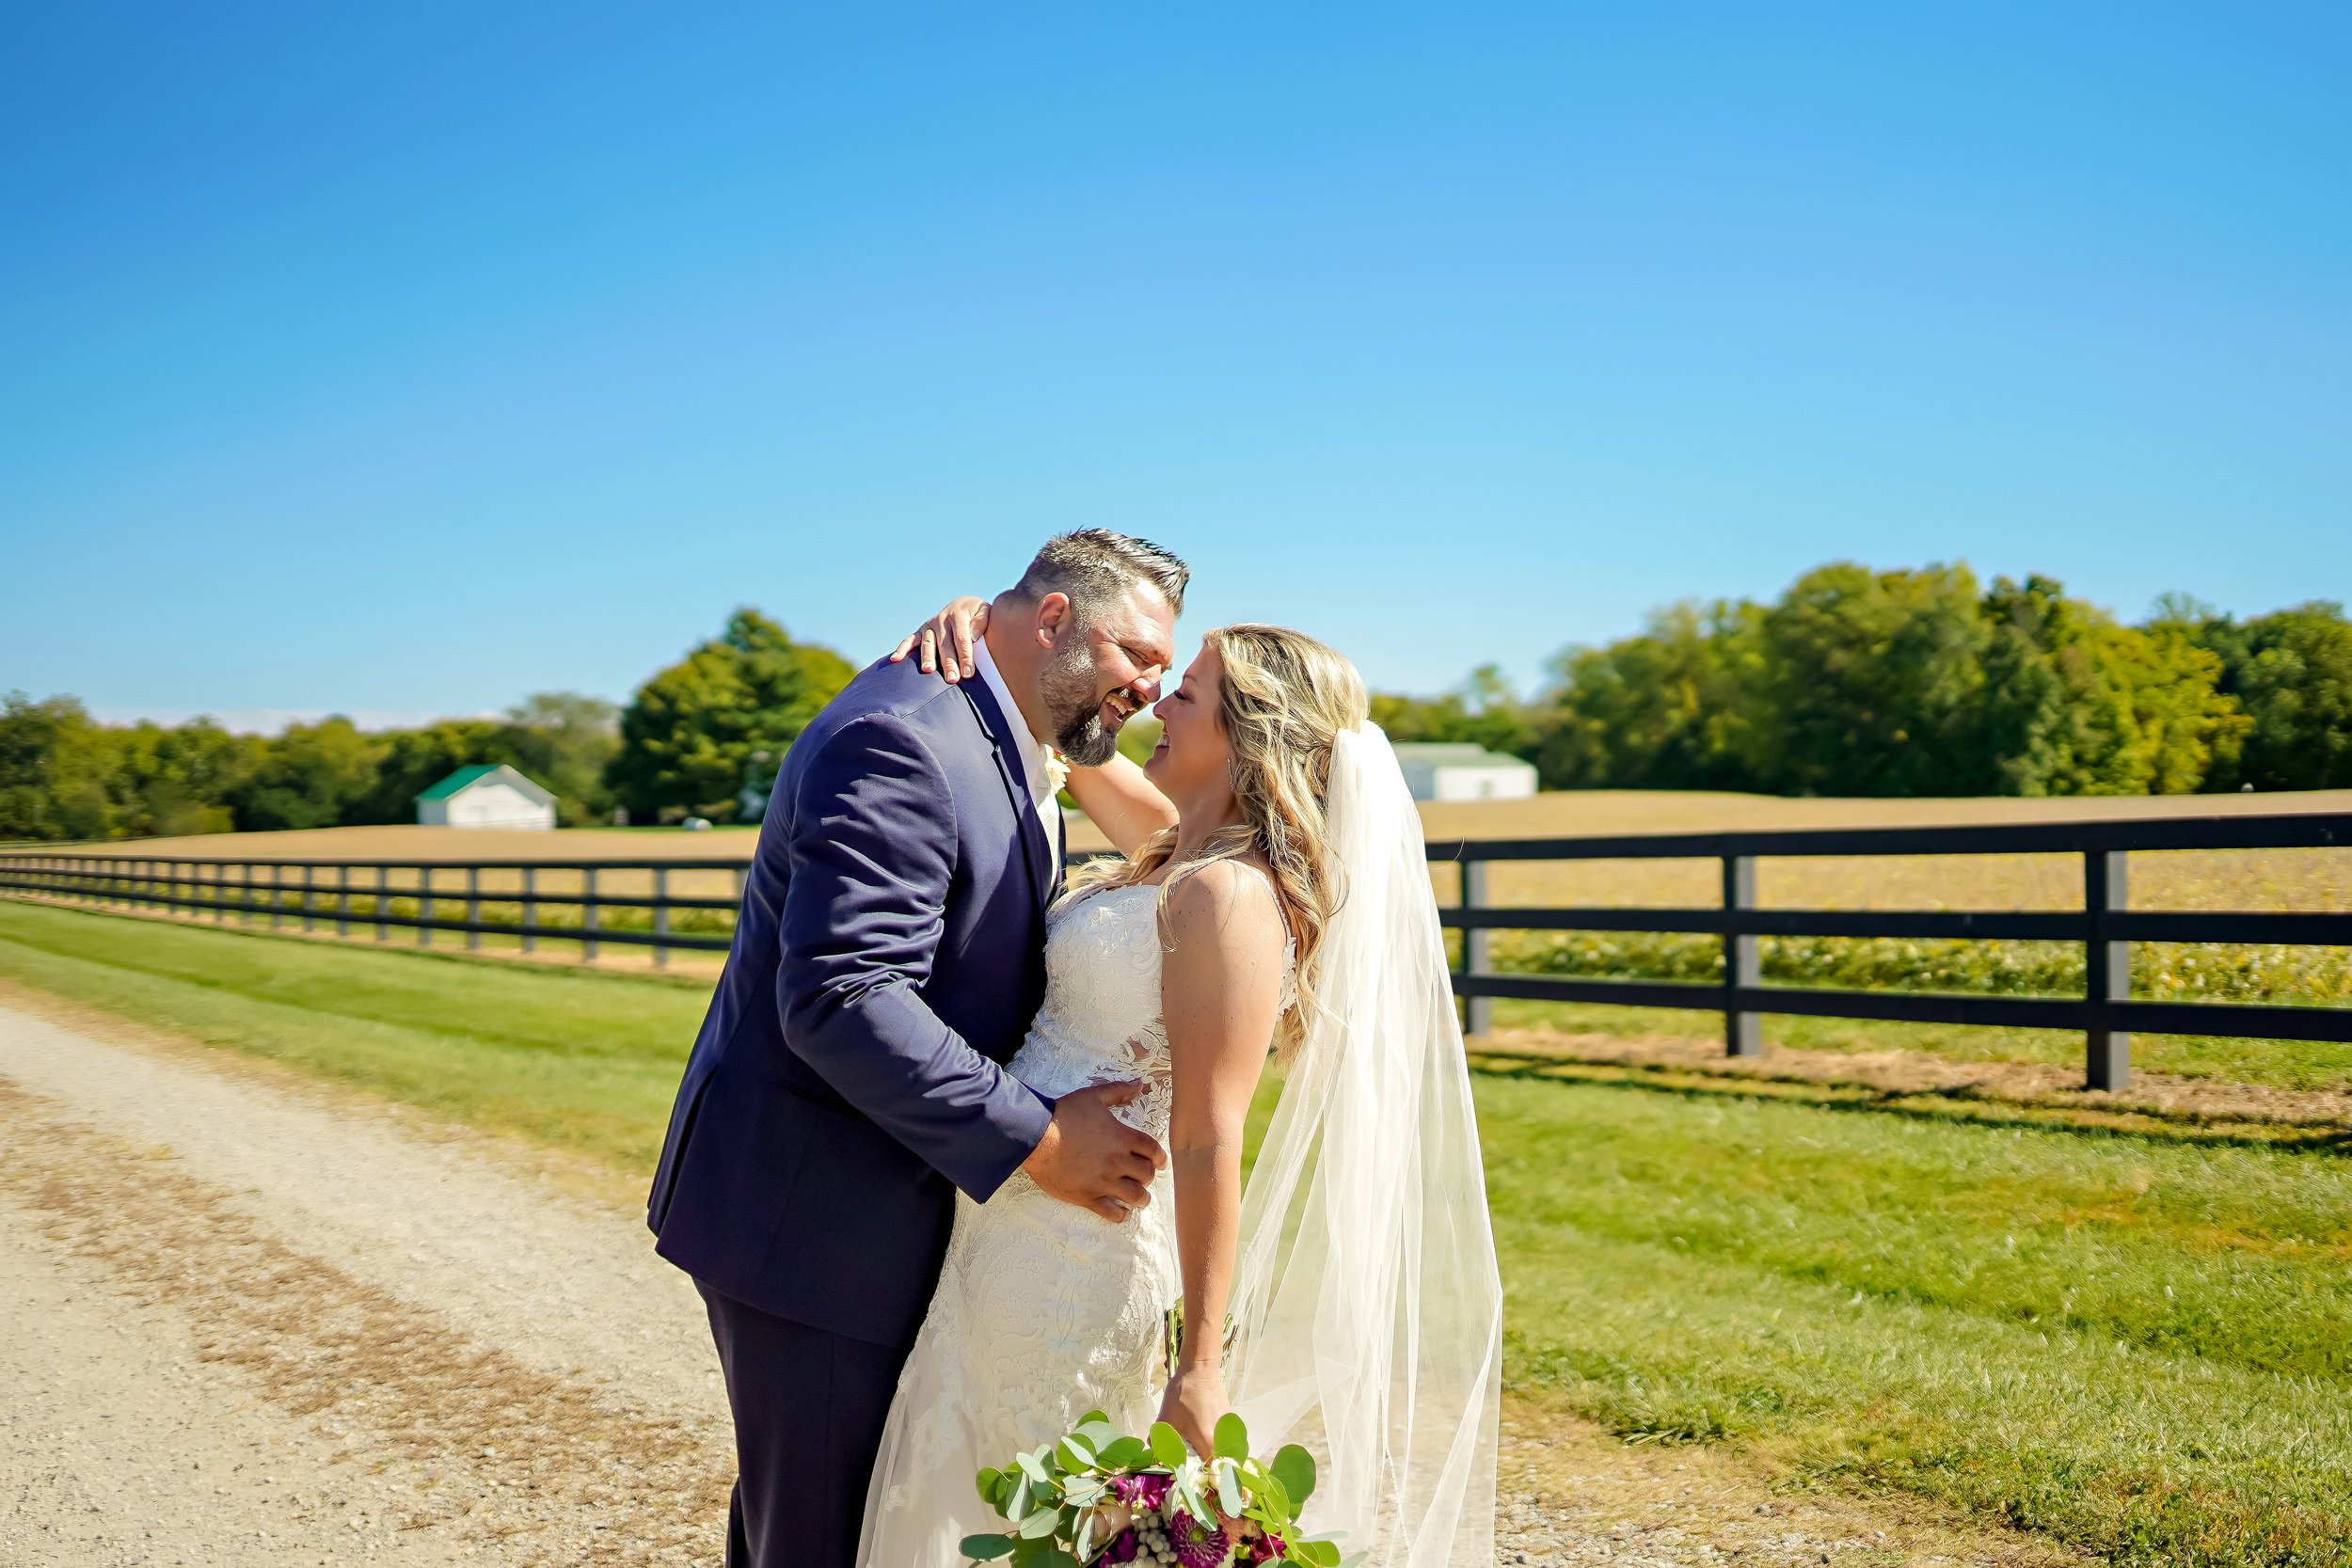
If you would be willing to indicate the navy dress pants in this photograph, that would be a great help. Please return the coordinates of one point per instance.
(809, 1408)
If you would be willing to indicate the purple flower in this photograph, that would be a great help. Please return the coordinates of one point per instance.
(1123, 1547)
(1263, 1547)
(1144, 1493)
(1198, 1545)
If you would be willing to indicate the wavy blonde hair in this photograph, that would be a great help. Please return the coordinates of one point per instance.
(1284, 699)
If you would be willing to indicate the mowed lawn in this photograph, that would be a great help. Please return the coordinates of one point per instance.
(2140, 1345)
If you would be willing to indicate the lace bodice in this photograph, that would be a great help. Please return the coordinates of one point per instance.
(1100, 1018)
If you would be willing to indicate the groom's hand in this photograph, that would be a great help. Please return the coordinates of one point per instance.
(1091, 1158)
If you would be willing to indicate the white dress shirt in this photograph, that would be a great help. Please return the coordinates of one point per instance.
(1041, 792)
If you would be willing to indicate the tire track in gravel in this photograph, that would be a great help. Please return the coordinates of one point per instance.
(552, 1469)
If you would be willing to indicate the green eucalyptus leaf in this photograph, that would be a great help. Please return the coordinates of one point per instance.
(1313, 1554)
(1274, 1500)
(1038, 1526)
(1125, 1454)
(1294, 1467)
(1231, 1438)
(1168, 1445)
(987, 1548)
(1097, 1432)
(1018, 1504)
(987, 1480)
(1075, 1454)
(1032, 1466)
(1230, 1499)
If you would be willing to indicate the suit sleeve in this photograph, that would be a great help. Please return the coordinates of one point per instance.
(872, 848)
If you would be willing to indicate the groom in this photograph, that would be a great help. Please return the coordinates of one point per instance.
(851, 1074)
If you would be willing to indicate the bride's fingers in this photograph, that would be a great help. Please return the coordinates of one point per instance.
(898, 654)
(962, 624)
(930, 651)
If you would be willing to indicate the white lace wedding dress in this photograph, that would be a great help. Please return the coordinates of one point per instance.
(1044, 1310)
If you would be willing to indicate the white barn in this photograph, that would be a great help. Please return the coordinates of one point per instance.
(490, 795)
(1449, 772)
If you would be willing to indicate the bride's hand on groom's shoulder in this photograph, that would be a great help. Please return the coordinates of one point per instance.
(1195, 1403)
(945, 640)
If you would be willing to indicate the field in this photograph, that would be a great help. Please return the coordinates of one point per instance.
(2132, 1341)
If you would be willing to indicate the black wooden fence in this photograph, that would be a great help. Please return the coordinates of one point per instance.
(344, 894)
(424, 897)
(2106, 926)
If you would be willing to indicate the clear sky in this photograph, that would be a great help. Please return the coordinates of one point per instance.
(400, 359)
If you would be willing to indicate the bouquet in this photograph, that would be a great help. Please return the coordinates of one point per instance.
(1099, 1497)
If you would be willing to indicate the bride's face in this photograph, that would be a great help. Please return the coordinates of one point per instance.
(1192, 755)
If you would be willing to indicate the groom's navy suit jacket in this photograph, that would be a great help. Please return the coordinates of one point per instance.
(888, 959)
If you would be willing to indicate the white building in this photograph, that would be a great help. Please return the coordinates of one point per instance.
(490, 795)
(1445, 771)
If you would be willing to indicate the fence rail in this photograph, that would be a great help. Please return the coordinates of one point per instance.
(320, 895)
(406, 893)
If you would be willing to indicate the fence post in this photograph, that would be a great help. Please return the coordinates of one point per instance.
(588, 913)
(2107, 968)
(1478, 1012)
(245, 896)
(473, 906)
(424, 906)
(1743, 961)
(277, 893)
(342, 900)
(530, 907)
(383, 903)
(661, 917)
(309, 882)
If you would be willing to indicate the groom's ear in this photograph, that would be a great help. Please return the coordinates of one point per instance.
(1053, 619)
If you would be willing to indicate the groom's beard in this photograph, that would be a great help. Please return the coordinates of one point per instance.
(1066, 684)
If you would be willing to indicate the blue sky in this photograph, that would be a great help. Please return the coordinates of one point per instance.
(400, 360)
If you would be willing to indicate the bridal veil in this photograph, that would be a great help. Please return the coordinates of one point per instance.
(1367, 1305)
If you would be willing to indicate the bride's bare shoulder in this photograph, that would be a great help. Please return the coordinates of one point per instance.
(1228, 905)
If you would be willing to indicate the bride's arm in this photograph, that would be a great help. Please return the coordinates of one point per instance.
(1220, 992)
(1116, 796)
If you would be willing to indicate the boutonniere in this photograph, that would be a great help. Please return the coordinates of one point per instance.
(1057, 770)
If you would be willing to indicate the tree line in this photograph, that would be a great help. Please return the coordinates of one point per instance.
(687, 744)
(1853, 681)
(1919, 681)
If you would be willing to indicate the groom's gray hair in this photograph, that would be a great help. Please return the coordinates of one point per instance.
(1095, 565)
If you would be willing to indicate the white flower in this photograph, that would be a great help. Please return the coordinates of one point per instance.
(1056, 769)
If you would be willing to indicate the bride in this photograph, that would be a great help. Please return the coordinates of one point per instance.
(1272, 910)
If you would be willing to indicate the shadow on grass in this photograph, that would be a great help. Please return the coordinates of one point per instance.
(1953, 1104)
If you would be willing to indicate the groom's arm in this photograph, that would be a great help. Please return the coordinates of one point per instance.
(872, 850)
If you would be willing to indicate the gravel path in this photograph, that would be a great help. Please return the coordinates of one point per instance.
(256, 1323)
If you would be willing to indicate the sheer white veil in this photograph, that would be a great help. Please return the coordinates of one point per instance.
(1367, 1306)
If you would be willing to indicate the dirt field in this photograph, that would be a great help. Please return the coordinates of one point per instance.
(258, 1321)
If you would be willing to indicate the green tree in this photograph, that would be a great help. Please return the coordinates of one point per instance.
(311, 776)
(1482, 711)
(1677, 706)
(566, 740)
(2078, 704)
(1875, 681)
(176, 780)
(688, 735)
(2291, 673)
(55, 766)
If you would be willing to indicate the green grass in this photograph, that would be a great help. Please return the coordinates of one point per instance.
(574, 1060)
(2139, 1344)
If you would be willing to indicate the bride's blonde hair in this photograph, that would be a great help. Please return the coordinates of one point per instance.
(1283, 701)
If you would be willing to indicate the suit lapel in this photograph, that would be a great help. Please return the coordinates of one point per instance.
(1005, 748)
